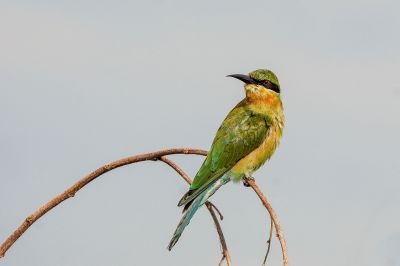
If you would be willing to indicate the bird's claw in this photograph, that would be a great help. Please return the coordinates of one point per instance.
(245, 181)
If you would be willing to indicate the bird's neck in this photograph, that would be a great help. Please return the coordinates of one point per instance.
(268, 104)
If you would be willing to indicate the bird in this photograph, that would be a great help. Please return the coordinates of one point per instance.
(246, 139)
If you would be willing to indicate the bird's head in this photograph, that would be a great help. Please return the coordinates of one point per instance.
(259, 83)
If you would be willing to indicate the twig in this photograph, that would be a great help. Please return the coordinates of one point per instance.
(221, 217)
(225, 253)
(271, 228)
(210, 206)
(274, 217)
(176, 167)
(70, 192)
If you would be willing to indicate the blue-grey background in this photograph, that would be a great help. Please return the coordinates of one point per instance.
(83, 83)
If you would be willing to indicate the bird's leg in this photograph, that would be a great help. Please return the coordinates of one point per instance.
(245, 178)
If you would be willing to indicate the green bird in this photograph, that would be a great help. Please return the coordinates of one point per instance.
(246, 139)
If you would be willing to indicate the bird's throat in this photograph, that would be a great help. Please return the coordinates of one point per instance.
(264, 102)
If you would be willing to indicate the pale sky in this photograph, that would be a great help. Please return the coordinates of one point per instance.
(84, 83)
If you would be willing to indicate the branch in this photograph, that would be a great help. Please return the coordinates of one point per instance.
(225, 253)
(271, 228)
(274, 217)
(70, 192)
(153, 156)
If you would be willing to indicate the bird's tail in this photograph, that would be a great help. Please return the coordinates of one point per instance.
(194, 206)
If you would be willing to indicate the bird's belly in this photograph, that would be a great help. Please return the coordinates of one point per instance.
(247, 165)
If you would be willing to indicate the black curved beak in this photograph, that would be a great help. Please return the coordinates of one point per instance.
(246, 79)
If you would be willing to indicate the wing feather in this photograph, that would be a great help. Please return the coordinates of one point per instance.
(241, 132)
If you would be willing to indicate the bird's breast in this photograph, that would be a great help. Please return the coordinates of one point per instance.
(254, 160)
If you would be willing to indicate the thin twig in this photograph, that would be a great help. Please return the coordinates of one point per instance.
(210, 206)
(176, 167)
(70, 192)
(274, 217)
(221, 217)
(225, 253)
(271, 228)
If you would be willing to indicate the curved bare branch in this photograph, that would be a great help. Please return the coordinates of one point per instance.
(271, 228)
(274, 217)
(154, 156)
(70, 192)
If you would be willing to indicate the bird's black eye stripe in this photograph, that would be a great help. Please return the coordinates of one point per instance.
(274, 87)
(269, 85)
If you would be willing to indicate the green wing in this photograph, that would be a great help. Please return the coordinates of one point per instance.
(241, 132)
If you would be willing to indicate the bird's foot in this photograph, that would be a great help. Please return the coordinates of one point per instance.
(245, 181)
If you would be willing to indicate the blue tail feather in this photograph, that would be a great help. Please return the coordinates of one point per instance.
(195, 205)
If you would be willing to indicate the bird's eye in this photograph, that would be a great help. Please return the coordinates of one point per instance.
(266, 83)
